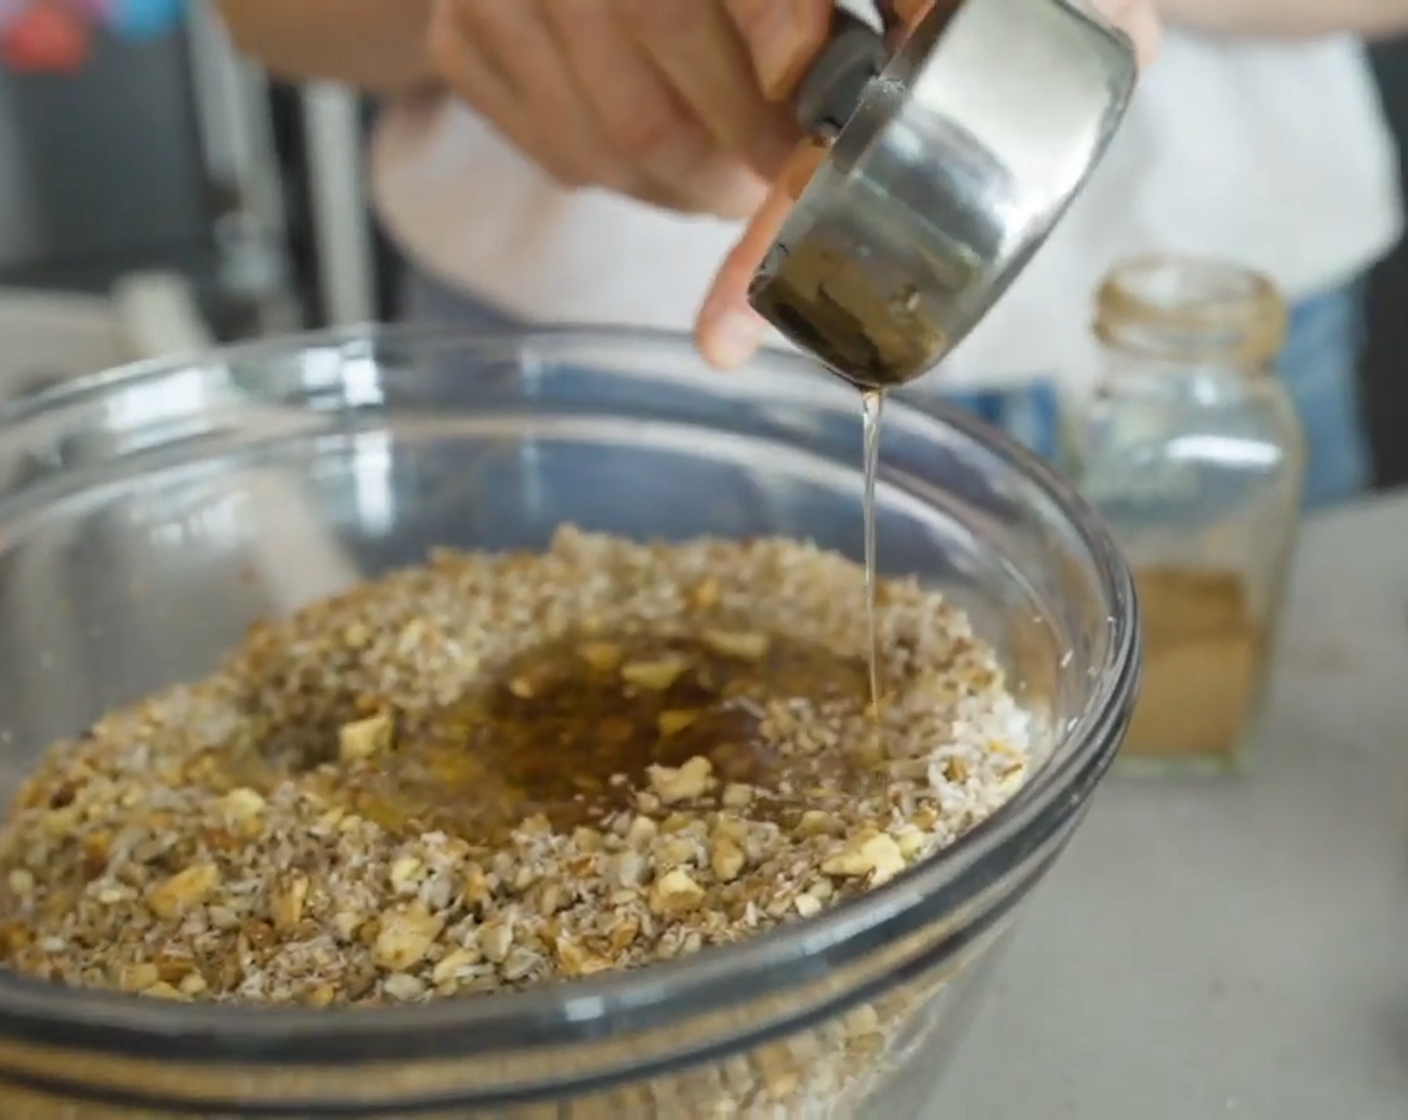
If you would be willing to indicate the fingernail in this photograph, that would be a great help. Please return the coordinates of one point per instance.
(732, 338)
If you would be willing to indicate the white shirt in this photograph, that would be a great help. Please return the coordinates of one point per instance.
(1275, 156)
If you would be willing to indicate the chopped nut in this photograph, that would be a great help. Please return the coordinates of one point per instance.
(816, 823)
(807, 905)
(21, 881)
(726, 860)
(519, 963)
(222, 917)
(139, 977)
(405, 938)
(911, 841)
(406, 874)
(456, 963)
(495, 941)
(364, 738)
(629, 869)
(322, 996)
(624, 934)
(576, 961)
(654, 676)
(873, 854)
(745, 646)
(411, 637)
(705, 595)
(685, 783)
(862, 1020)
(286, 904)
(784, 1086)
(641, 832)
(403, 986)
(184, 891)
(676, 850)
(674, 721)
(346, 924)
(675, 893)
(549, 898)
(602, 657)
(587, 839)
(242, 804)
(737, 796)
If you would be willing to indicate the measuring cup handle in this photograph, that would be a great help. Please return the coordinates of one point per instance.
(832, 88)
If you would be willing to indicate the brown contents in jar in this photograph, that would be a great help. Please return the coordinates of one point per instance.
(1203, 659)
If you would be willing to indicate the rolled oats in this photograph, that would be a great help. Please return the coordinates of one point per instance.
(496, 770)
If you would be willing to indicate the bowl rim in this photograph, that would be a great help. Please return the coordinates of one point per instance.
(654, 998)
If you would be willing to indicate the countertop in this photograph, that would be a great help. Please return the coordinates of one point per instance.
(1236, 947)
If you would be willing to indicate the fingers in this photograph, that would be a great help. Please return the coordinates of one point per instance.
(473, 77)
(783, 36)
(596, 102)
(702, 55)
(728, 331)
(500, 58)
(647, 125)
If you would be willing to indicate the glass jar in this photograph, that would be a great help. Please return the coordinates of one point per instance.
(1192, 450)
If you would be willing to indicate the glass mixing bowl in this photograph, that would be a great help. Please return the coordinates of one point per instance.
(148, 516)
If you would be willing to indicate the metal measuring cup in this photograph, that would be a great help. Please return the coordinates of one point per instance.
(949, 164)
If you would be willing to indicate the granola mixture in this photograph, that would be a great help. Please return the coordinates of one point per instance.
(503, 769)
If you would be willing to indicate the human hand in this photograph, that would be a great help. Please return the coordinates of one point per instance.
(679, 103)
(728, 331)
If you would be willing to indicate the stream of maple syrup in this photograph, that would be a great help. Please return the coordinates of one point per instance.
(826, 299)
(872, 410)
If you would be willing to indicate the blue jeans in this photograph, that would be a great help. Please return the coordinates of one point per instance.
(1320, 368)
